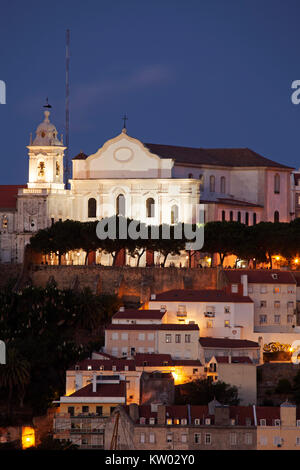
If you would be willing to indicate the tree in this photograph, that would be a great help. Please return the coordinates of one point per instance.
(202, 391)
(284, 386)
(224, 238)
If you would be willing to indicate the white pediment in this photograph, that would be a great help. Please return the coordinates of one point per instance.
(122, 157)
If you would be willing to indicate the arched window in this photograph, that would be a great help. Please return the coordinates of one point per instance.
(239, 216)
(212, 183)
(254, 218)
(223, 216)
(247, 218)
(150, 207)
(120, 205)
(231, 216)
(201, 178)
(276, 216)
(191, 175)
(92, 207)
(223, 185)
(277, 183)
(174, 214)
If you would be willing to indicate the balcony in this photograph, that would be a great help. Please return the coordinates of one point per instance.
(209, 314)
(86, 431)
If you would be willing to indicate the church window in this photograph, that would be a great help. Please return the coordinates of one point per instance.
(174, 214)
(120, 205)
(150, 207)
(57, 169)
(254, 218)
(212, 184)
(41, 169)
(277, 183)
(223, 185)
(239, 216)
(223, 216)
(247, 218)
(276, 216)
(92, 207)
(231, 216)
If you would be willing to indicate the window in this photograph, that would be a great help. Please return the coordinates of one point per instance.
(99, 410)
(207, 439)
(227, 324)
(114, 368)
(89, 367)
(92, 207)
(297, 441)
(197, 437)
(4, 222)
(277, 422)
(239, 216)
(174, 214)
(290, 289)
(120, 205)
(114, 336)
(227, 309)
(207, 421)
(277, 441)
(150, 336)
(85, 409)
(195, 371)
(212, 183)
(263, 440)
(276, 216)
(114, 351)
(277, 183)
(169, 437)
(277, 319)
(152, 438)
(126, 368)
(71, 410)
(223, 216)
(254, 218)
(124, 351)
(184, 421)
(141, 336)
(277, 304)
(141, 350)
(289, 318)
(151, 420)
(231, 216)
(247, 218)
(262, 319)
(168, 338)
(142, 420)
(234, 288)
(142, 438)
(233, 439)
(112, 408)
(248, 438)
(150, 207)
(191, 175)
(263, 304)
(276, 290)
(290, 305)
(183, 438)
(197, 421)
(250, 290)
(187, 338)
(262, 422)
(177, 338)
(209, 324)
(263, 289)
(124, 336)
(223, 185)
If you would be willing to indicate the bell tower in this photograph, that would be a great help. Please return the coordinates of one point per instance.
(46, 154)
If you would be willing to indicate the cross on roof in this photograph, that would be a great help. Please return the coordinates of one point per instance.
(124, 118)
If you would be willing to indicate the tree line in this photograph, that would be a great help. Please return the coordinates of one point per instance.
(258, 242)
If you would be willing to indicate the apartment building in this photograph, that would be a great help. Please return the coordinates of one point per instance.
(238, 371)
(184, 427)
(218, 313)
(180, 341)
(210, 347)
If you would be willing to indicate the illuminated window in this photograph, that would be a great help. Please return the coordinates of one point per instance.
(168, 338)
(276, 290)
(4, 222)
(209, 324)
(227, 323)
(92, 207)
(120, 205)
(150, 207)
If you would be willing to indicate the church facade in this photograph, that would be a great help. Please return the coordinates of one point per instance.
(148, 182)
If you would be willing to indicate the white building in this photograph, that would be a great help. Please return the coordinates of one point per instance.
(148, 182)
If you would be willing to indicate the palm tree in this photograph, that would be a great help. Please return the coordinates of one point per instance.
(14, 376)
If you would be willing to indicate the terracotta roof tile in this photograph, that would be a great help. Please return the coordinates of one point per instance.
(260, 276)
(234, 360)
(208, 342)
(204, 295)
(103, 390)
(163, 326)
(139, 314)
(8, 195)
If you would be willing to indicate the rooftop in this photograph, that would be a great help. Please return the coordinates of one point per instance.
(164, 326)
(139, 314)
(204, 295)
(261, 276)
(8, 195)
(102, 390)
(208, 342)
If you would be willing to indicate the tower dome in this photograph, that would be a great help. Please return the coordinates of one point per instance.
(46, 133)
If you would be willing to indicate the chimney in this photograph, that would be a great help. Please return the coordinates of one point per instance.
(94, 383)
(244, 282)
(134, 412)
(161, 414)
(221, 415)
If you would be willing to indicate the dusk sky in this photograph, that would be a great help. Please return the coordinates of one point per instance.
(198, 73)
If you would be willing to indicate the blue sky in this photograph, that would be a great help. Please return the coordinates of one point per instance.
(204, 73)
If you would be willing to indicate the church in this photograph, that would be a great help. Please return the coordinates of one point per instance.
(153, 183)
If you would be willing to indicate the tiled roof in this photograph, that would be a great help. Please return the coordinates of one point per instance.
(103, 390)
(233, 157)
(204, 295)
(8, 195)
(139, 314)
(269, 413)
(260, 276)
(208, 342)
(164, 326)
(296, 275)
(158, 360)
(105, 364)
(234, 360)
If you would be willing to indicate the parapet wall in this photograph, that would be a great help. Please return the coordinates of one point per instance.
(132, 284)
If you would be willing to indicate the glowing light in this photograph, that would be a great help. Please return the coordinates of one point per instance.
(296, 260)
(175, 376)
(28, 437)
(277, 258)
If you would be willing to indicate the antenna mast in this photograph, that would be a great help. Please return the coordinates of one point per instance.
(67, 163)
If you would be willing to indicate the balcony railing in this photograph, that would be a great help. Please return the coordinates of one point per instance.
(86, 431)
